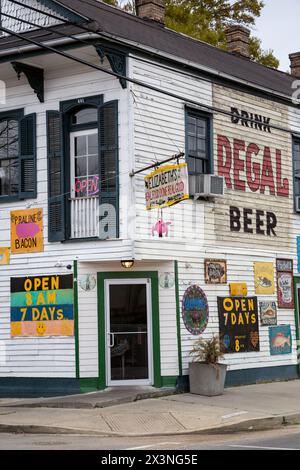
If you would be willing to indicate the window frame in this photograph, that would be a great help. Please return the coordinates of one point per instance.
(208, 118)
(17, 115)
(295, 140)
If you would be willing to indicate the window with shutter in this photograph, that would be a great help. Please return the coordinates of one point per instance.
(18, 176)
(109, 170)
(56, 204)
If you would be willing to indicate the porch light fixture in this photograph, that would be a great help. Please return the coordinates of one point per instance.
(127, 264)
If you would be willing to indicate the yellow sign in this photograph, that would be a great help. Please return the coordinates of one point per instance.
(166, 186)
(4, 256)
(238, 289)
(27, 231)
(264, 278)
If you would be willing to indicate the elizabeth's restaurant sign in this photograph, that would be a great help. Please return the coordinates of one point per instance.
(166, 186)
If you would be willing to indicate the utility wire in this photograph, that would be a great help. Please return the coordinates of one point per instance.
(123, 77)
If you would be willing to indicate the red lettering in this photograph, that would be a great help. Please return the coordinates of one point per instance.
(238, 164)
(282, 185)
(267, 178)
(224, 168)
(252, 168)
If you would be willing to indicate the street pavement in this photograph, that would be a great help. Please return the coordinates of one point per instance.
(280, 440)
(254, 407)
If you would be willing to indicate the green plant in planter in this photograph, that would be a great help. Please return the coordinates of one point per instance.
(206, 374)
(207, 350)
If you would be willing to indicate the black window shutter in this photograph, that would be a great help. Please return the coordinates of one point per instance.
(27, 162)
(109, 170)
(56, 198)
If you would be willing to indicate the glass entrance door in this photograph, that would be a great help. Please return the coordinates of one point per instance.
(128, 332)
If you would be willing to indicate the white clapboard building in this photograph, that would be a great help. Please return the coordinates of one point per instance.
(96, 290)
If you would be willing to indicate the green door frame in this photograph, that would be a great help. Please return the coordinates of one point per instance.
(297, 317)
(153, 275)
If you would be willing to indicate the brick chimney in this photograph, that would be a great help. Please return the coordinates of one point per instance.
(238, 38)
(295, 64)
(151, 10)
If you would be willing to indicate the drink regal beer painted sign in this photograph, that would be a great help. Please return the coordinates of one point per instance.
(166, 186)
(42, 306)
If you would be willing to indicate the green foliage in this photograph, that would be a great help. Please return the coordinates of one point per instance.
(207, 350)
(207, 20)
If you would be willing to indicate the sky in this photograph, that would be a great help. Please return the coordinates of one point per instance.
(278, 28)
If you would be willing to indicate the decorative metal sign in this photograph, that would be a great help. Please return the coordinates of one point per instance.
(238, 289)
(238, 324)
(264, 278)
(166, 186)
(285, 290)
(284, 265)
(166, 280)
(87, 282)
(280, 340)
(42, 306)
(195, 311)
(215, 271)
(268, 313)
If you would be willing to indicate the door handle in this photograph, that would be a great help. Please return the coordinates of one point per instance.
(111, 337)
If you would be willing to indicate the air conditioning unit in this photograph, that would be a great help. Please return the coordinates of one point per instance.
(297, 203)
(206, 186)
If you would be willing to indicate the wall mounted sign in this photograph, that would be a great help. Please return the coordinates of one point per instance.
(166, 186)
(166, 280)
(27, 231)
(284, 265)
(215, 271)
(238, 289)
(195, 311)
(264, 278)
(238, 324)
(4, 256)
(42, 306)
(280, 338)
(285, 290)
(87, 282)
(268, 313)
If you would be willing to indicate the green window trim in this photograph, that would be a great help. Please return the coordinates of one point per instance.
(153, 276)
(190, 111)
(27, 177)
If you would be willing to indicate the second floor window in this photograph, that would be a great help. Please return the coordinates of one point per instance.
(9, 157)
(296, 165)
(197, 145)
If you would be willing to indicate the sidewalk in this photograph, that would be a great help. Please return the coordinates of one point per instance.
(254, 407)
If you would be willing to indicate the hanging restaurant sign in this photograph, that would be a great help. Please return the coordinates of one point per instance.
(166, 186)
(42, 306)
(238, 324)
(195, 311)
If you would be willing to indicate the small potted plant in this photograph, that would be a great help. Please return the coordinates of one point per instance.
(207, 375)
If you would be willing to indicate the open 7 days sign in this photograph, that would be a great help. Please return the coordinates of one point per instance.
(166, 186)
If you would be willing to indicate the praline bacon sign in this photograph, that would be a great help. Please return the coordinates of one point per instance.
(27, 231)
(166, 186)
(42, 306)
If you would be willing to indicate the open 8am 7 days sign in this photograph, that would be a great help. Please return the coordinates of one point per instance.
(166, 186)
(238, 324)
(42, 306)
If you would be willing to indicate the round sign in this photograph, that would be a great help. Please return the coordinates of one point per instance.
(88, 282)
(166, 280)
(195, 311)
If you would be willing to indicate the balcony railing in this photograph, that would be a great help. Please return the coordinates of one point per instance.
(84, 217)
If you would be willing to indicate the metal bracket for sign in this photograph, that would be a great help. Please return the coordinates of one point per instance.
(157, 164)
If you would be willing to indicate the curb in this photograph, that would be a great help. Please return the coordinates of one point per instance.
(89, 406)
(252, 425)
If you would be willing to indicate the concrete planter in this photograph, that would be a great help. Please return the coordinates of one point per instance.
(207, 379)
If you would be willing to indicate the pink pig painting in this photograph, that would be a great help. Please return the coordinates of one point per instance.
(161, 228)
(27, 230)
